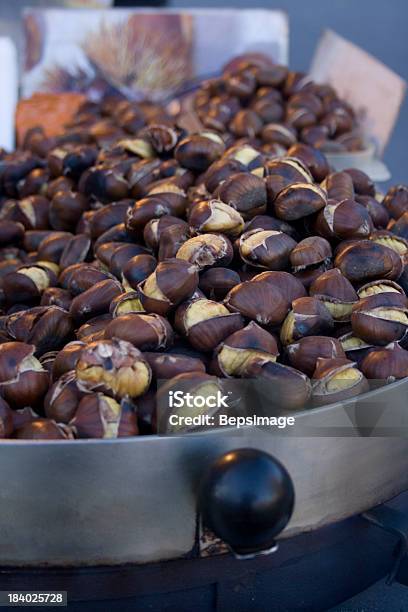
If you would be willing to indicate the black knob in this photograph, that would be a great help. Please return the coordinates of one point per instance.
(246, 498)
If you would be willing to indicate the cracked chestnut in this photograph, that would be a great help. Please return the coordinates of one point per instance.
(304, 353)
(101, 416)
(336, 293)
(387, 363)
(260, 301)
(206, 323)
(206, 250)
(23, 380)
(245, 192)
(298, 201)
(279, 387)
(337, 379)
(266, 249)
(308, 317)
(147, 332)
(213, 216)
(381, 318)
(114, 367)
(367, 260)
(172, 282)
(233, 355)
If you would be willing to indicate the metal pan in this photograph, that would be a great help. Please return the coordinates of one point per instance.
(133, 500)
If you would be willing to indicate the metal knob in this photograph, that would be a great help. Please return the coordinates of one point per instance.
(246, 498)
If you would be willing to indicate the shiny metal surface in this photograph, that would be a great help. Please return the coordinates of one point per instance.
(133, 500)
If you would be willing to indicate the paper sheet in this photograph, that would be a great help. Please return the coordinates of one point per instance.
(372, 89)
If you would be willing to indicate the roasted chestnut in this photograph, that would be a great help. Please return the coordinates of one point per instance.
(312, 251)
(126, 303)
(206, 323)
(367, 260)
(217, 282)
(23, 380)
(280, 387)
(344, 220)
(335, 380)
(76, 250)
(362, 183)
(137, 269)
(298, 201)
(220, 170)
(266, 249)
(78, 278)
(245, 192)
(339, 186)
(232, 356)
(113, 367)
(66, 209)
(392, 241)
(308, 317)
(95, 300)
(48, 328)
(62, 398)
(386, 363)
(314, 160)
(206, 250)
(66, 359)
(381, 318)
(211, 216)
(377, 211)
(278, 133)
(168, 365)
(172, 282)
(379, 286)
(199, 151)
(396, 200)
(28, 283)
(121, 255)
(289, 286)
(246, 123)
(336, 293)
(101, 416)
(355, 348)
(283, 172)
(261, 301)
(147, 332)
(154, 229)
(400, 227)
(154, 206)
(43, 429)
(303, 355)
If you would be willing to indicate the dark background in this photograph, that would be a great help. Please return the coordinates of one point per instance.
(378, 26)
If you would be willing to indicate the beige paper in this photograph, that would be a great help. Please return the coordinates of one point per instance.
(372, 89)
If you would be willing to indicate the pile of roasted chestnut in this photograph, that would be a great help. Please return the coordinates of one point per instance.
(279, 107)
(196, 248)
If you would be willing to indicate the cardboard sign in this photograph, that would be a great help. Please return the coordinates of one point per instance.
(141, 53)
(372, 89)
